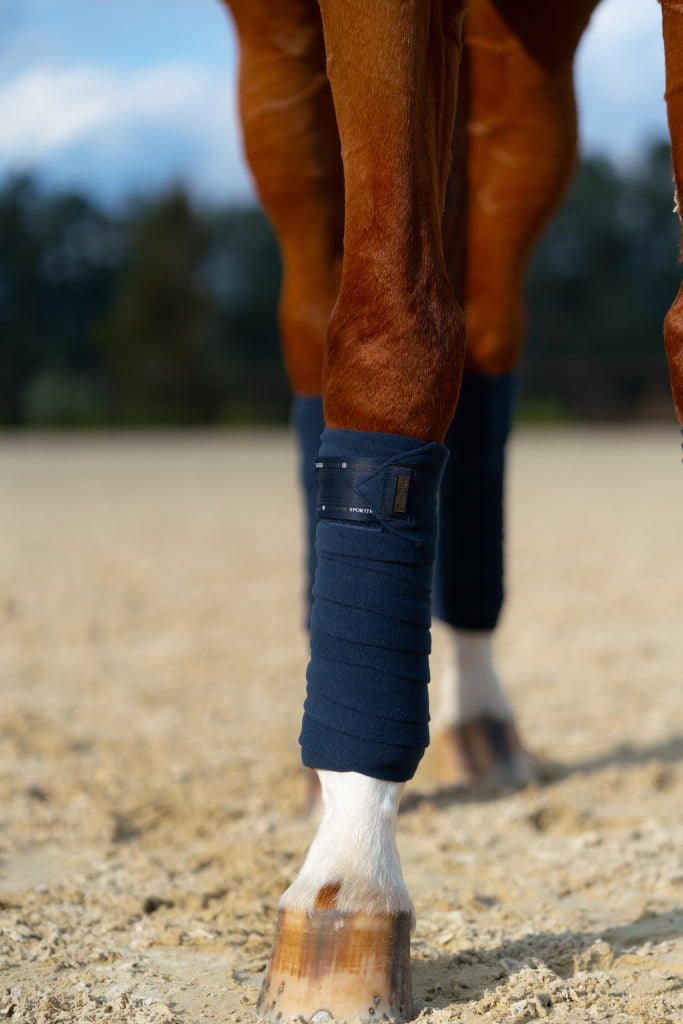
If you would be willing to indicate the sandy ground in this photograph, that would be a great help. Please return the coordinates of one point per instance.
(151, 677)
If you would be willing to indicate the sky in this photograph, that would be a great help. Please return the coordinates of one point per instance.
(119, 98)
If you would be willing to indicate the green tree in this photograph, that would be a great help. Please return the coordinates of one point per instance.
(162, 338)
(22, 321)
(165, 313)
(598, 289)
(58, 259)
(243, 271)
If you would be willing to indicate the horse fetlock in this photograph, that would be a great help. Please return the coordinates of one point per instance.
(353, 865)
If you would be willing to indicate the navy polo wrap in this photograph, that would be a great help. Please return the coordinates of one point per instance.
(366, 707)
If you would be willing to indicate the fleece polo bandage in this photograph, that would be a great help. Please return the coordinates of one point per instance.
(366, 707)
(308, 422)
(468, 580)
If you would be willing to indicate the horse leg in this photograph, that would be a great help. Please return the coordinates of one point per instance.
(390, 384)
(516, 136)
(292, 144)
(672, 23)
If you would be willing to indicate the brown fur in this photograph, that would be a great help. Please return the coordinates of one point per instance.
(348, 113)
(327, 896)
(672, 21)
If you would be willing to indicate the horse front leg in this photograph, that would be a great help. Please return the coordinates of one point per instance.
(390, 383)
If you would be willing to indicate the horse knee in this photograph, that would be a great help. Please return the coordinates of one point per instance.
(394, 359)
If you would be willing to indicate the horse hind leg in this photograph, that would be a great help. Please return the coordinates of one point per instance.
(516, 140)
(292, 144)
(672, 21)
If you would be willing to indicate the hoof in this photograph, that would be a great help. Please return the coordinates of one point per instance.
(484, 750)
(329, 965)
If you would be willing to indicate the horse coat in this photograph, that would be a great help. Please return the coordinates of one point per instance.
(407, 152)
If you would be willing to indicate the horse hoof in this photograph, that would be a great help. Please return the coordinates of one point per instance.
(484, 750)
(329, 965)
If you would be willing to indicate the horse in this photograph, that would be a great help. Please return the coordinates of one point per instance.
(407, 154)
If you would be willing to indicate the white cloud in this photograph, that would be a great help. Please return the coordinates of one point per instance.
(145, 107)
(177, 110)
(620, 78)
(626, 19)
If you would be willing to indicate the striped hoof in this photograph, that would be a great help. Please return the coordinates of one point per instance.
(484, 750)
(330, 965)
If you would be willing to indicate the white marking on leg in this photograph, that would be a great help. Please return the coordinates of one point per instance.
(471, 687)
(354, 857)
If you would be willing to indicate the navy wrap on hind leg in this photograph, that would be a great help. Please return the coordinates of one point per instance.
(366, 708)
(468, 578)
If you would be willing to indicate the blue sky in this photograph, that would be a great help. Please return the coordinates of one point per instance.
(124, 96)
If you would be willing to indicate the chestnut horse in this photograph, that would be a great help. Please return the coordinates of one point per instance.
(407, 152)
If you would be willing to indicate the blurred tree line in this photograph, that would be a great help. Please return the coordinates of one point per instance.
(164, 313)
(598, 288)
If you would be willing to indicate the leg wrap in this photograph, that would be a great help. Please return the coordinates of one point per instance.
(308, 422)
(366, 708)
(468, 581)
